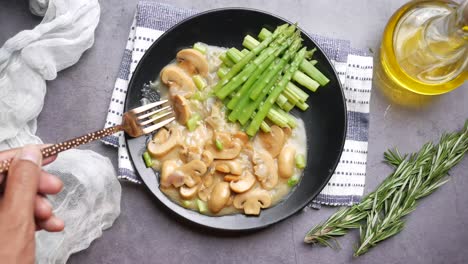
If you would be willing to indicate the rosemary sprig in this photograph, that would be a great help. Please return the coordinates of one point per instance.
(379, 215)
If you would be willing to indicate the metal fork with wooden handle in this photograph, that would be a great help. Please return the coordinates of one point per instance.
(136, 122)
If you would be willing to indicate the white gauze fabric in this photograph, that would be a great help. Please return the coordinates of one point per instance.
(90, 201)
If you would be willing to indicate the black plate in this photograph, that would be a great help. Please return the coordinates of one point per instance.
(325, 119)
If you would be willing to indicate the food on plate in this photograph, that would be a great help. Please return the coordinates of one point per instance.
(235, 148)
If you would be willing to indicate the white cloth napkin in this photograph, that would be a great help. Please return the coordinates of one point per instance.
(90, 200)
(354, 68)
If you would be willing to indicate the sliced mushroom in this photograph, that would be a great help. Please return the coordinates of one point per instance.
(265, 169)
(157, 149)
(273, 141)
(161, 136)
(252, 201)
(188, 192)
(193, 61)
(242, 136)
(178, 81)
(230, 147)
(192, 172)
(287, 132)
(229, 178)
(189, 153)
(229, 166)
(207, 157)
(219, 197)
(181, 108)
(168, 177)
(286, 162)
(244, 183)
(227, 153)
(209, 181)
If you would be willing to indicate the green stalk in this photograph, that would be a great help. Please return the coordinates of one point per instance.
(302, 105)
(247, 58)
(222, 71)
(241, 93)
(264, 85)
(288, 106)
(292, 88)
(263, 111)
(241, 98)
(250, 42)
(305, 81)
(226, 60)
(277, 118)
(245, 74)
(281, 100)
(287, 116)
(264, 33)
(247, 111)
(234, 54)
(265, 127)
(290, 97)
(313, 72)
(279, 65)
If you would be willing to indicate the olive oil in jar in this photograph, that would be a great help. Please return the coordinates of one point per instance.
(424, 49)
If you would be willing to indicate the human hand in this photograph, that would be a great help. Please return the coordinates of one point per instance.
(23, 206)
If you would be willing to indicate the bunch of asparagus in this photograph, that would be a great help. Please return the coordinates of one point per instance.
(258, 82)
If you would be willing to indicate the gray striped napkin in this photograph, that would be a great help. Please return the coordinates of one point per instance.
(354, 68)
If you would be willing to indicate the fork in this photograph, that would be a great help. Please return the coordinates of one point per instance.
(136, 122)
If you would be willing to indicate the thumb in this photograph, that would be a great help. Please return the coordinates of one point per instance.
(23, 180)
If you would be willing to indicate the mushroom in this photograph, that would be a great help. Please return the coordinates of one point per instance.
(244, 183)
(252, 201)
(273, 141)
(286, 162)
(230, 147)
(193, 62)
(181, 108)
(287, 132)
(189, 153)
(219, 197)
(158, 148)
(192, 172)
(229, 178)
(161, 136)
(168, 177)
(242, 136)
(229, 152)
(229, 166)
(188, 192)
(207, 157)
(265, 169)
(178, 81)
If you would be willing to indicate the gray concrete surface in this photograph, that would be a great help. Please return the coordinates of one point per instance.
(146, 233)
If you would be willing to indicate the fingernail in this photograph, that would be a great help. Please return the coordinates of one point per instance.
(31, 153)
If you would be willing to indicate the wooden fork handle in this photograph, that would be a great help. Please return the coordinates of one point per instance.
(72, 143)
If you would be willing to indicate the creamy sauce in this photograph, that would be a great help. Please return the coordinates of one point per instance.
(213, 119)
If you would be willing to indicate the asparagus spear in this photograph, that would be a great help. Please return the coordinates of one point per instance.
(264, 85)
(241, 97)
(306, 66)
(263, 110)
(246, 59)
(292, 92)
(250, 68)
